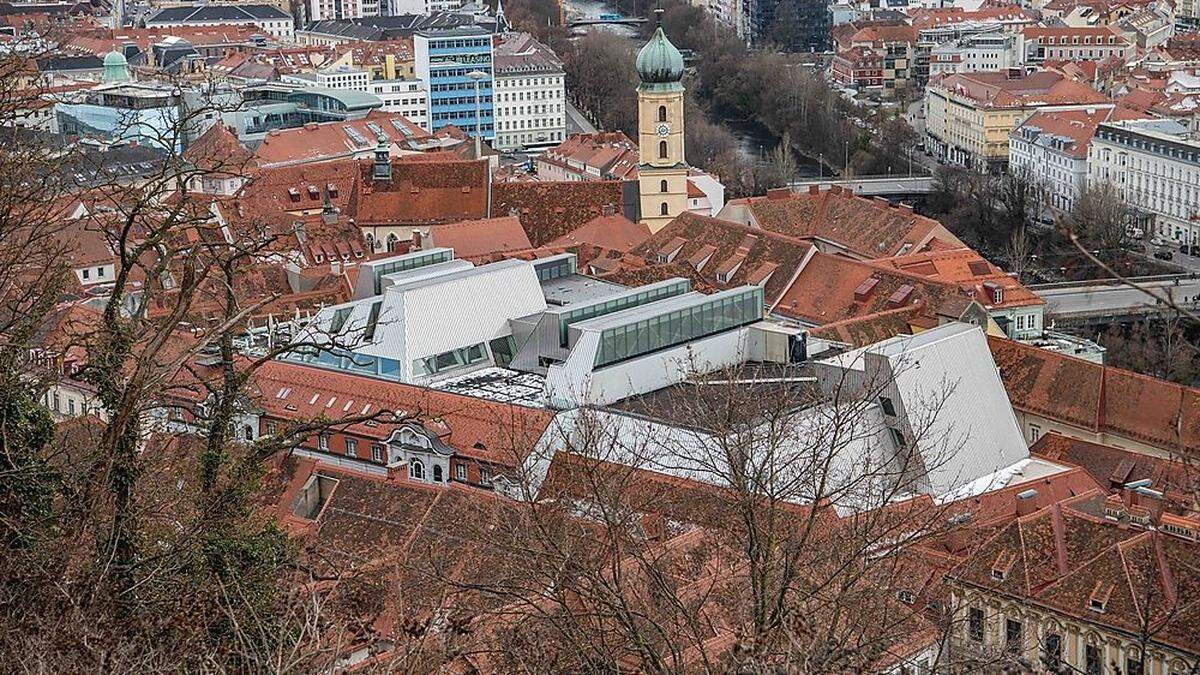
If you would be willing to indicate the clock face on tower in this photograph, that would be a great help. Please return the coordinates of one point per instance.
(663, 129)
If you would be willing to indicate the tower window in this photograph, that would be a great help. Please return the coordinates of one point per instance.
(662, 186)
(663, 209)
(662, 113)
(662, 149)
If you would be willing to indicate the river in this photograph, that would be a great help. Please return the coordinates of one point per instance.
(755, 143)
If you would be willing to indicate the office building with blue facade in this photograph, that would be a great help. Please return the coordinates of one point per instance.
(444, 59)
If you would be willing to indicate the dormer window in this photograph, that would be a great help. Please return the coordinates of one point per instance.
(1098, 600)
(1002, 565)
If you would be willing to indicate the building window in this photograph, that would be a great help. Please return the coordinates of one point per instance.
(662, 113)
(57, 403)
(460, 471)
(898, 438)
(1035, 432)
(662, 154)
(1134, 666)
(975, 624)
(663, 210)
(662, 186)
(249, 432)
(351, 447)
(323, 442)
(437, 473)
(416, 470)
(376, 452)
(270, 428)
(485, 475)
(889, 408)
(1013, 635)
(1053, 650)
(1091, 660)
(70, 406)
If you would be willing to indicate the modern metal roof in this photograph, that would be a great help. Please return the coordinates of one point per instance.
(210, 13)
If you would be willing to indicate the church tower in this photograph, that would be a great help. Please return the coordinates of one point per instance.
(662, 170)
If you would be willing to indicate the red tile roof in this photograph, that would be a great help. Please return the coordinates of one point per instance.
(1067, 556)
(499, 433)
(473, 238)
(1076, 125)
(425, 193)
(1101, 399)
(549, 210)
(1112, 467)
(869, 228)
(832, 288)
(969, 271)
(219, 149)
(999, 90)
(612, 232)
(326, 141)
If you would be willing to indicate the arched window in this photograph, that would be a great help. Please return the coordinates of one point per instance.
(663, 209)
(662, 186)
(249, 432)
(370, 241)
(392, 240)
(416, 470)
(437, 473)
(662, 113)
(662, 150)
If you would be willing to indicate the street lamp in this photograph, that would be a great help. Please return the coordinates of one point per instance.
(478, 76)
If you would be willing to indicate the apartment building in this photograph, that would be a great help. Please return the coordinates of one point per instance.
(1052, 148)
(969, 117)
(1155, 165)
(267, 18)
(407, 97)
(530, 94)
(1064, 43)
(984, 52)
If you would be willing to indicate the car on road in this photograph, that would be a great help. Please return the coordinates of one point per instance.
(1163, 254)
(1189, 250)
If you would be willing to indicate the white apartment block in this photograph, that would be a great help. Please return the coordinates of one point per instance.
(978, 53)
(342, 77)
(1155, 165)
(1051, 148)
(403, 7)
(530, 94)
(410, 98)
(333, 10)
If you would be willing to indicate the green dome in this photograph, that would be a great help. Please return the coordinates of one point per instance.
(116, 68)
(659, 62)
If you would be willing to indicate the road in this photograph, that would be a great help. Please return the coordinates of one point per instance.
(1102, 299)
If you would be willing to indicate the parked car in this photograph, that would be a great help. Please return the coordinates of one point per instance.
(1164, 254)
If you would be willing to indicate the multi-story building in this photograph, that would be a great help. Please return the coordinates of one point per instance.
(1155, 166)
(1096, 583)
(268, 18)
(530, 94)
(1063, 43)
(343, 78)
(728, 13)
(407, 97)
(876, 55)
(145, 113)
(984, 52)
(970, 116)
(457, 67)
(1052, 149)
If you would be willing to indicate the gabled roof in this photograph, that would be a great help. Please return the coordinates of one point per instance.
(613, 232)
(425, 193)
(549, 210)
(720, 254)
(325, 141)
(970, 272)
(832, 288)
(218, 149)
(495, 432)
(473, 238)
(1099, 398)
(1071, 559)
(1000, 90)
(867, 227)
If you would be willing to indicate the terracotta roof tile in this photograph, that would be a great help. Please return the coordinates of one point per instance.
(612, 232)
(549, 210)
(472, 238)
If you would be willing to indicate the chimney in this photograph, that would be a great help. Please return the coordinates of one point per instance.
(418, 240)
(1026, 502)
(1014, 73)
(814, 190)
(906, 209)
